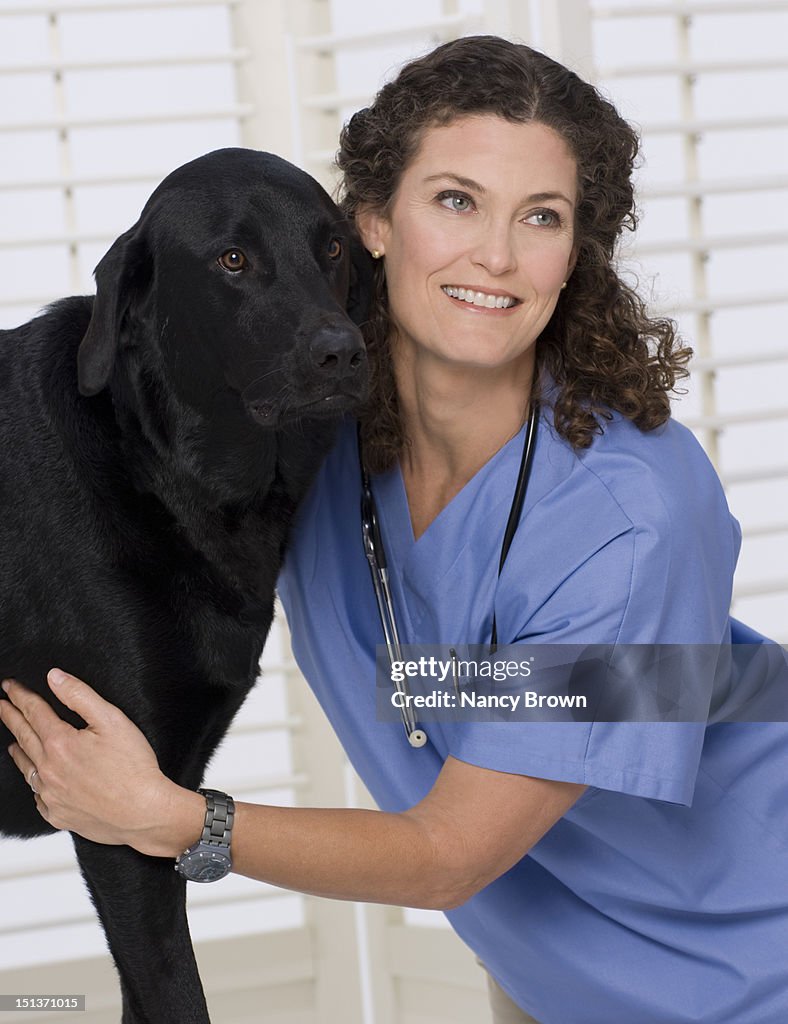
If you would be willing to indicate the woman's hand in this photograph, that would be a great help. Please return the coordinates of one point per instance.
(102, 782)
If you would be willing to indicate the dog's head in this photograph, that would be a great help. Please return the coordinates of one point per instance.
(237, 293)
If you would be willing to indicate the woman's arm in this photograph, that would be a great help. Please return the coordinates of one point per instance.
(472, 826)
(103, 782)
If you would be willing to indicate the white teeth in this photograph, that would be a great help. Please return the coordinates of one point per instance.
(479, 298)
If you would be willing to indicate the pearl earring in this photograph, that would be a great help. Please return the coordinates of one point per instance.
(564, 285)
(376, 254)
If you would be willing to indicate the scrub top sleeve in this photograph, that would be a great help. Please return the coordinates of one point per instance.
(629, 579)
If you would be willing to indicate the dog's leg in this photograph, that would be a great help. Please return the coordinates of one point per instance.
(141, 902)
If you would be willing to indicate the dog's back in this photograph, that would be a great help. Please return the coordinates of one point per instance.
(51, 452)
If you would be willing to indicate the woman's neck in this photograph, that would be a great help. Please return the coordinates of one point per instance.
(455, 419)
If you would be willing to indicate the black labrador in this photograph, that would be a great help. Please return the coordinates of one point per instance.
(156, 442)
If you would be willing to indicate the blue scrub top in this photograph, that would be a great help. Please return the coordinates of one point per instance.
(662, 895)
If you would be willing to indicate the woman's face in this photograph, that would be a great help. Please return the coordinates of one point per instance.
(478, 241)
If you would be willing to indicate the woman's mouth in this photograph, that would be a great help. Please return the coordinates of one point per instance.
(485, 300)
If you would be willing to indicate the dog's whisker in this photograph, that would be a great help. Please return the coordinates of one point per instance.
(260, 380)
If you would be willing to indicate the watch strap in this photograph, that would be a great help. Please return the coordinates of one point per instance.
(219, 817)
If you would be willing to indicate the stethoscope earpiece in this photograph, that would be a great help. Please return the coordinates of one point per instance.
(417, 738)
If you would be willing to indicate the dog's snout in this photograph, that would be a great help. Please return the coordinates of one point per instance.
(337, 351)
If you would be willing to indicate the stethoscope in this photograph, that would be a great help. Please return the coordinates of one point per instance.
(378, 566)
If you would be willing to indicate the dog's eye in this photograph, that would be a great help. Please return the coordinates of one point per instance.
(334, 249)
(232, 260)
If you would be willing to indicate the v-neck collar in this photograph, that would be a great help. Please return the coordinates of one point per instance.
(473, 522)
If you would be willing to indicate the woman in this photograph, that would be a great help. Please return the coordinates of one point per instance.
(602, 871)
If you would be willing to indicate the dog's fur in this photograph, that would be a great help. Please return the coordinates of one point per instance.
(155, 444)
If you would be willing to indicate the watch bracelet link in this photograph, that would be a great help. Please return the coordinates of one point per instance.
(219, 817)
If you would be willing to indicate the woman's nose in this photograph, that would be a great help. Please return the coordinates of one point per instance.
(494, 250)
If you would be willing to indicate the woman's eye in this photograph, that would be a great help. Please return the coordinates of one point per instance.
(456, 201)
(544, 219)
(233, 260)
(334, 249)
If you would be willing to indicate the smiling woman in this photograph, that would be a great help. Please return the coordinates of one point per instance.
(472, 278)
(571, 158)
(495, 240)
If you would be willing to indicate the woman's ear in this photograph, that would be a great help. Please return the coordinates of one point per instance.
(372, 228)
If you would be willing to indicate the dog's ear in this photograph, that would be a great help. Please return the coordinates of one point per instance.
(120, 275)
(362, 281)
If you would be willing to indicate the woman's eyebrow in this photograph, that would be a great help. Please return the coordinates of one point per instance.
(468, 183)
(474, 186)
(544, 197)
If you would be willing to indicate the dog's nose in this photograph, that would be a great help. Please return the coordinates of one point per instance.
(337, 351)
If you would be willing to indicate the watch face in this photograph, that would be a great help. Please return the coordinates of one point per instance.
(207, 870)
(204, 867)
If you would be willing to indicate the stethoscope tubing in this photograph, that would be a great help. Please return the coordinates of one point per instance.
(518, 499)
(376, 558)
(385, 606)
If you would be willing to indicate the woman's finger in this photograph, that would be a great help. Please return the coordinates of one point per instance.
(28, 768)
(14, 719)
(77, 695)
(25, 765)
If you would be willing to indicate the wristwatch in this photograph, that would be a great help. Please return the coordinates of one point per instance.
(209, 859)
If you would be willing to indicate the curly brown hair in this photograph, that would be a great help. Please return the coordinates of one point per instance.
(601, 348)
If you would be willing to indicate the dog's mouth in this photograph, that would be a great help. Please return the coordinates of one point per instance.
(273, 413)
(328, 405)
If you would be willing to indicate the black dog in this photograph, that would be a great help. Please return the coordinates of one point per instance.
(155, 445)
